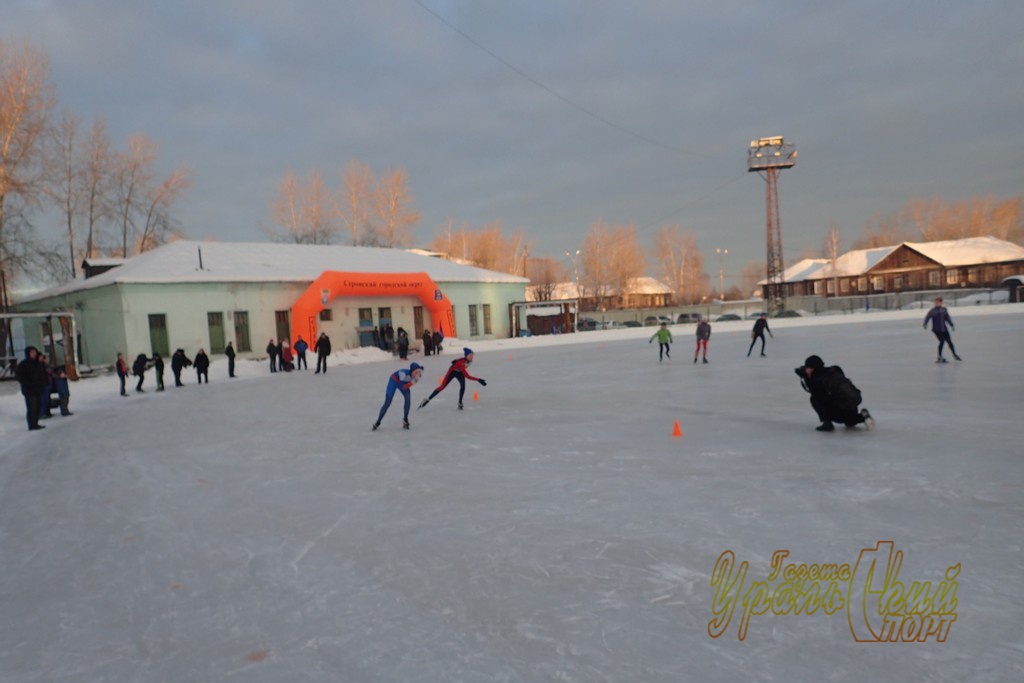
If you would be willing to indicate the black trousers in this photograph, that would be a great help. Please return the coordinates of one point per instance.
(830, 413)
(138, 385)
(754, 341)
(321, 361)
(231, 367)
(301, 363)
(462, 385)
(32, 406)
(944, 338)
(160, 380)
(177, 378)
(662, 350)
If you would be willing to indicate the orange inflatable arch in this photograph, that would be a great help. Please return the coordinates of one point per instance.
(332, 284)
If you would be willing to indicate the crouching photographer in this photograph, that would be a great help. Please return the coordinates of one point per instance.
(833, 396)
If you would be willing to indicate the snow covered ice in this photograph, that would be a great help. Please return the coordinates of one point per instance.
(255, 529)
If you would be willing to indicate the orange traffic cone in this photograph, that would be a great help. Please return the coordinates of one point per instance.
(677, 430)
(476, 396)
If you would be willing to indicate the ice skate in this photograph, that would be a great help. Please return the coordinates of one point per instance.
(869, 422)
(460, 406)
(423, 403)
(825, 427)
(705, 360)
(957, 357)
(376, 425)
(405, 424)
(940, 359)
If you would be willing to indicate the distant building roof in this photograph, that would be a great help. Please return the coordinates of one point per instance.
(178, 262)
(567, 290)
(969, 251)
(854, 263)
(805, 269)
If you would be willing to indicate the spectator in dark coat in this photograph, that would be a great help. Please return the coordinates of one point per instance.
(437, 339)
(378, 338)
(158, 365)
(139, 370)
(60, 381)
(44, 398)
(323, 349)
(272, 353)
(300, 351)
(122, 372)
(403, 344)
(760, 327)
(389, 337)
(179, 361)
(31, 376)
(833, 396)
(428, 343)
(202, 365)
(230, 353)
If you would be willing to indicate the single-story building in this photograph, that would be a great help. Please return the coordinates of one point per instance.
(977, 262)
(195, 295)
(641, 292)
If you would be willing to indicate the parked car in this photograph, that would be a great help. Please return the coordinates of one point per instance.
(688, 318)
(610, 324)
(651, 321)
(726, 317)
(632, 323)
(754, 316)
(587, 324)
(788, 314)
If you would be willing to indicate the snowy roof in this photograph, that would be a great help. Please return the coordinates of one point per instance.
(805, 269)
(178, 262)
(638, 285)
(856, 262)
(103, 261)
(969, 251)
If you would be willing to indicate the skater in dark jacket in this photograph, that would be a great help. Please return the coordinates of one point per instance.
(229, 352)
(760, 327)
(323, 349)
(459, 371)
(158, 366)
(703, 335)
(833, 396)
(122, 372)
(31, 376)
(402, 381)
(202, 365)
(940, 319)
(179, 361)
(139, 370)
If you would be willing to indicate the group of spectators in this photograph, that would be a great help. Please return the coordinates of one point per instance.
(432, 342)
(179, 361)
(39, 381)
(285, 358)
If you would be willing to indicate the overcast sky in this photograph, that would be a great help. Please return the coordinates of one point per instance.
(884, 101)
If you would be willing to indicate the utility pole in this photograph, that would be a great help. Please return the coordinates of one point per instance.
(768, 156)
(721, 272)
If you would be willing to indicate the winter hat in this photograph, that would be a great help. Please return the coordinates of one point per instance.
(414, 367)
(814, 362)
(30, 348)
(466, 351)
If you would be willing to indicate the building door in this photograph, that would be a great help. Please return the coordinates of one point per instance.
(283, 328)
(242, 344)
(215, 323)
(384, 316)
(158, 334)
(417, 320)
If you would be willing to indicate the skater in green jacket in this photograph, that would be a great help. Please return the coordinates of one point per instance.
(664, 339)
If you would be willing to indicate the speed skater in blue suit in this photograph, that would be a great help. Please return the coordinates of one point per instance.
(402, 381)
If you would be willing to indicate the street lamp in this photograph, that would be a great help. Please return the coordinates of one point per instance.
(576, 274)
(721, 272)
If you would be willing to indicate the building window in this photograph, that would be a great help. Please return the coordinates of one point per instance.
(487, 319)
(242, 344)
(878, 283)
(862, 284)
(952, 276)
(281, 325)
(158, 340)
(384, 315)
(215, 324)
(934, 278)
(473, 326)
(818, 287)
(831, 287)
(897, 282)
(972, 274)
(326, 315)
(844, 286)
(366, 317)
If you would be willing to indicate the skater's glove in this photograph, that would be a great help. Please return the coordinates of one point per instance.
(483, 383)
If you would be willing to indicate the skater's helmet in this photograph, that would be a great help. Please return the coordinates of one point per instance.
(467, 352)
(414, 367)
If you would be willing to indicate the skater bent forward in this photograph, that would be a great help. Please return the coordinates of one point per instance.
(833, 396)
(402, 381)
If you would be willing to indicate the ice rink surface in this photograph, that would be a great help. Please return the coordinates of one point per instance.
(256, 530)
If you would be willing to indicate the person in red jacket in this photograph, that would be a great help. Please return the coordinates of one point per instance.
(459, 370)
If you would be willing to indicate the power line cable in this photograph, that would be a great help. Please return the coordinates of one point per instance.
(555, 93)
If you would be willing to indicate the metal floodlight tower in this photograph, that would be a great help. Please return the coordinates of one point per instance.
(768, 156)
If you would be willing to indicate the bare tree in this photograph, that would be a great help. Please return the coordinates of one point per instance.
(26, 100)
(682, 263)
(286, 210)
(354, 202)
(393, 208)
(65, 178)
(97, 182)
(305, 210)
(938, 219)
(545, 274)
(750, 275)
(133, 174)
(626, 260)
(597, 281)
(158, 226)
